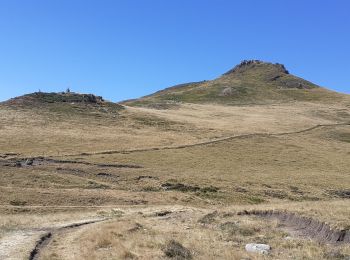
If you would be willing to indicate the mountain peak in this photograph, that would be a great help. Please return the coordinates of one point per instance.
(250, 82)
(250, 64)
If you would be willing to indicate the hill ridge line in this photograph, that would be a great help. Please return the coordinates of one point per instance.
(206, 142)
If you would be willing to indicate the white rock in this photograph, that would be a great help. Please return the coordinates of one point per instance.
(258, 248)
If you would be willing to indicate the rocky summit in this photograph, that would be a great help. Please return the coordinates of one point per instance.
(247, 64)
(250, 82)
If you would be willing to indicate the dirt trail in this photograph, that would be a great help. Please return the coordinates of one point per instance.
(47, 237)
(294, 224)
(16, 245)
(51, 159)
(36, 241)
(219, 140)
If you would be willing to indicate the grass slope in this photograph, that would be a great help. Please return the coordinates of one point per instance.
(251, 82)
(189, 193)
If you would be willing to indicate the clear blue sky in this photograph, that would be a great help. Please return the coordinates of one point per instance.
(124, 49)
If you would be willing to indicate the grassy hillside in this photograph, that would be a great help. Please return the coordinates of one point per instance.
(68, 103)
(177, 172)
(251, 82)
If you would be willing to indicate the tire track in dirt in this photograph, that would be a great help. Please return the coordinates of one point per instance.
(294, 223)
(45, 239)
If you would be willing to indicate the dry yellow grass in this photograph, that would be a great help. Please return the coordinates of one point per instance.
(303, 172)
(142, 234)
(39, 132)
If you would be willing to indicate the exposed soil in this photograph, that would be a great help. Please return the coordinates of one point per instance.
(305, 226)
(23, 162)
(46, 238)
(344, 194)
(187, 188)
(16, 242)
(295, 224)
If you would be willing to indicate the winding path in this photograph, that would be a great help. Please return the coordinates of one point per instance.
(219, 140)
(17, 244)
(47, 237)
(10, 244)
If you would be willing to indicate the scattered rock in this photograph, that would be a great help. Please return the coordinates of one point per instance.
(245, 64)
(29, 162)
(258, 248)
(273, 78)
(226, 92)
(25, 162)
(18, 164)
(163, 213)
(174, 249)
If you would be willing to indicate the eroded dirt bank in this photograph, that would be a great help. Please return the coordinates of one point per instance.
(306, 226)
(47, 237)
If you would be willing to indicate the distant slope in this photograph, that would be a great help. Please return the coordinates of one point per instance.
(64, 103)
(250, 82)
(72, 123)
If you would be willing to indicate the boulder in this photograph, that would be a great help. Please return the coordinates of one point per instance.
(258, 248)
(227, 91)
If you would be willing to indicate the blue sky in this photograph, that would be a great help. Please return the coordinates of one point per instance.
(123, 49)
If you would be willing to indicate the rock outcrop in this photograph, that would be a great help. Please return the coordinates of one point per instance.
(247, 64)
